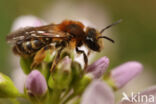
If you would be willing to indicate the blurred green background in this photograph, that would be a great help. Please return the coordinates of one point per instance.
(135, 36)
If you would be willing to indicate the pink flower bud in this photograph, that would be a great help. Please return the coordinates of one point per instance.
(98, 92)
(36, 84)
(125, 72)
(98, 67)
(65, 64)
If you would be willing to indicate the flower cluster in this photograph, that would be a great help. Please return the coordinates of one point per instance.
(69, 83)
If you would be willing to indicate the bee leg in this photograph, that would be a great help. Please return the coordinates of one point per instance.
(88, 52)
(84, 57)
(57, 57)
(40, 55)
(56, 60)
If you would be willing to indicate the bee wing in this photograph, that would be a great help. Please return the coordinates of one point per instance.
(49, 31)
(51, 35)
(19, 34)
(31, 32)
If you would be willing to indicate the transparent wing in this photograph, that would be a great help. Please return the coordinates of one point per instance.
(48, 31)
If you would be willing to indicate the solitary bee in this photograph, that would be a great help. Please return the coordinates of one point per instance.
(34, 41)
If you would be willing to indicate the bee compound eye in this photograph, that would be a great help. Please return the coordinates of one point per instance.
(92, 43)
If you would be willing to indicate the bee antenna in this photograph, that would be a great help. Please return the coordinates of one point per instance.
(117, 22)
(107, 38)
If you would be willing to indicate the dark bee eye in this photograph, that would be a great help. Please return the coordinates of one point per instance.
(92, 43)
(91, 40)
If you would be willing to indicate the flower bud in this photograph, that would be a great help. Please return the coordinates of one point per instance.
(98, 67)
(83, 83)
(61, 76)
(77, 73)
(98, 93)
(49, 56)
(36, 84)
(67, 52)
(125, 72)
(7, 88)
(65, 64)
(25, 64)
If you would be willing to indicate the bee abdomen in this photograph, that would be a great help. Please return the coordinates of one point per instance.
(20, 48)
(36, 44)
(29, 47)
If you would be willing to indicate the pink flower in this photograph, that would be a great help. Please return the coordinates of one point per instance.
(36, 84)
(125, 72)
(65, 64)
(98, 92)
(98, 67)
(120, 75)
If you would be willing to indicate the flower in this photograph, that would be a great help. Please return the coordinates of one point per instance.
(65, 64)
(36, 84)
(125, 72)
(98, 92)
(118, 76)
(98, 67)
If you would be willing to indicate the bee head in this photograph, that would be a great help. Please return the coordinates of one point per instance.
(92, 39)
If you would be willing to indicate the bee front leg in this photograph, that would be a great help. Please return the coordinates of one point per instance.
(84, 57)
(40, 55)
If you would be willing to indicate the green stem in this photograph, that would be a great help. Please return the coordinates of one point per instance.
(66, 94)
(69, 98)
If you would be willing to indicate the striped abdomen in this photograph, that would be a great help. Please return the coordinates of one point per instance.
(30, 46)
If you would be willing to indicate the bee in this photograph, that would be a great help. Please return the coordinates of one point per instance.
(34, 41)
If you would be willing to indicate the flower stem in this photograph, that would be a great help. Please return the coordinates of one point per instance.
(69, 98)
